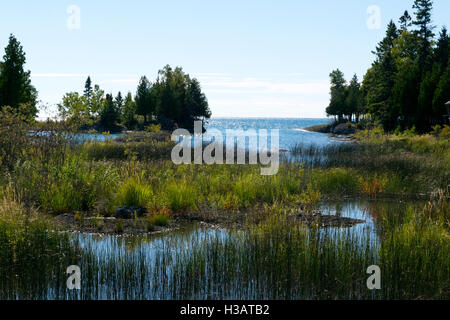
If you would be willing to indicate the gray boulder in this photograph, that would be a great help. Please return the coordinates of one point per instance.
(344, 128)
(128, 212)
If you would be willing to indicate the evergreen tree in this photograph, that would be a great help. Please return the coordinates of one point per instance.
(179, 99)
(119, 102)
(338, 95)
(425, 31)
(428, 86)
(168, 106)
(385, 46)
(442, 93)
(88, 91)
(353, 99)
(197, 99)
(405, 97)
(109, 115)
(379, 80)
(144, 99)
(16, 90)
(405, 21)
(129, 112)
(442, 52)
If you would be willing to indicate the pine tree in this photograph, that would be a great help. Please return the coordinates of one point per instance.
(119, 102)
(16, 90)
(442, 93)
(428, 86)
(379, 80)
(385, 46)
(442, 52)
(109, 115)
(129, 112)
(88, 91)
(353, 99)
(425, 31)
(338, 94)
(144, 99)
(405, 21)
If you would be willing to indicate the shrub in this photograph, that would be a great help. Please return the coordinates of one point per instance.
(13, 138)
(372, 186)
(445, 132)
(154, 128)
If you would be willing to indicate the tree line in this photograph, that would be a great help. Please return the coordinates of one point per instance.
(407, 85)
(174, 100)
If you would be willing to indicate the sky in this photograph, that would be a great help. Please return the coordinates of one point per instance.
(253, 58)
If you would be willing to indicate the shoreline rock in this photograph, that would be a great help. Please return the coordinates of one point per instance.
(346, 128)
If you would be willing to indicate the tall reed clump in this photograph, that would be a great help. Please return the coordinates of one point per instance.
(32, 257)
(182, 196)
(134, 193)
(78, 185)
(252, 188)
(415, 253)
(335, 182)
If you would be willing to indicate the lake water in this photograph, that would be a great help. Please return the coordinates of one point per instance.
(291, 131)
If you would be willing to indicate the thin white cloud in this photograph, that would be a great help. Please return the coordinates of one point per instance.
(125, 80)
(58, 75)
(79, 75)
(267, 86)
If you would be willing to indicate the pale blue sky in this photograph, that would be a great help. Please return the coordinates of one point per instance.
(254, 58)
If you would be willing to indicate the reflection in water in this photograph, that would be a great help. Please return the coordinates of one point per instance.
(204, 263)
(148, 267)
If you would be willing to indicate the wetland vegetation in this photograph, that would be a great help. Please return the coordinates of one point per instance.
(251, 241)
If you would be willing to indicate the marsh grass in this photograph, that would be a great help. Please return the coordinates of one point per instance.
(32, 256)
(182, 196)
(399, 165)
(134, 193)
(273, 259)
